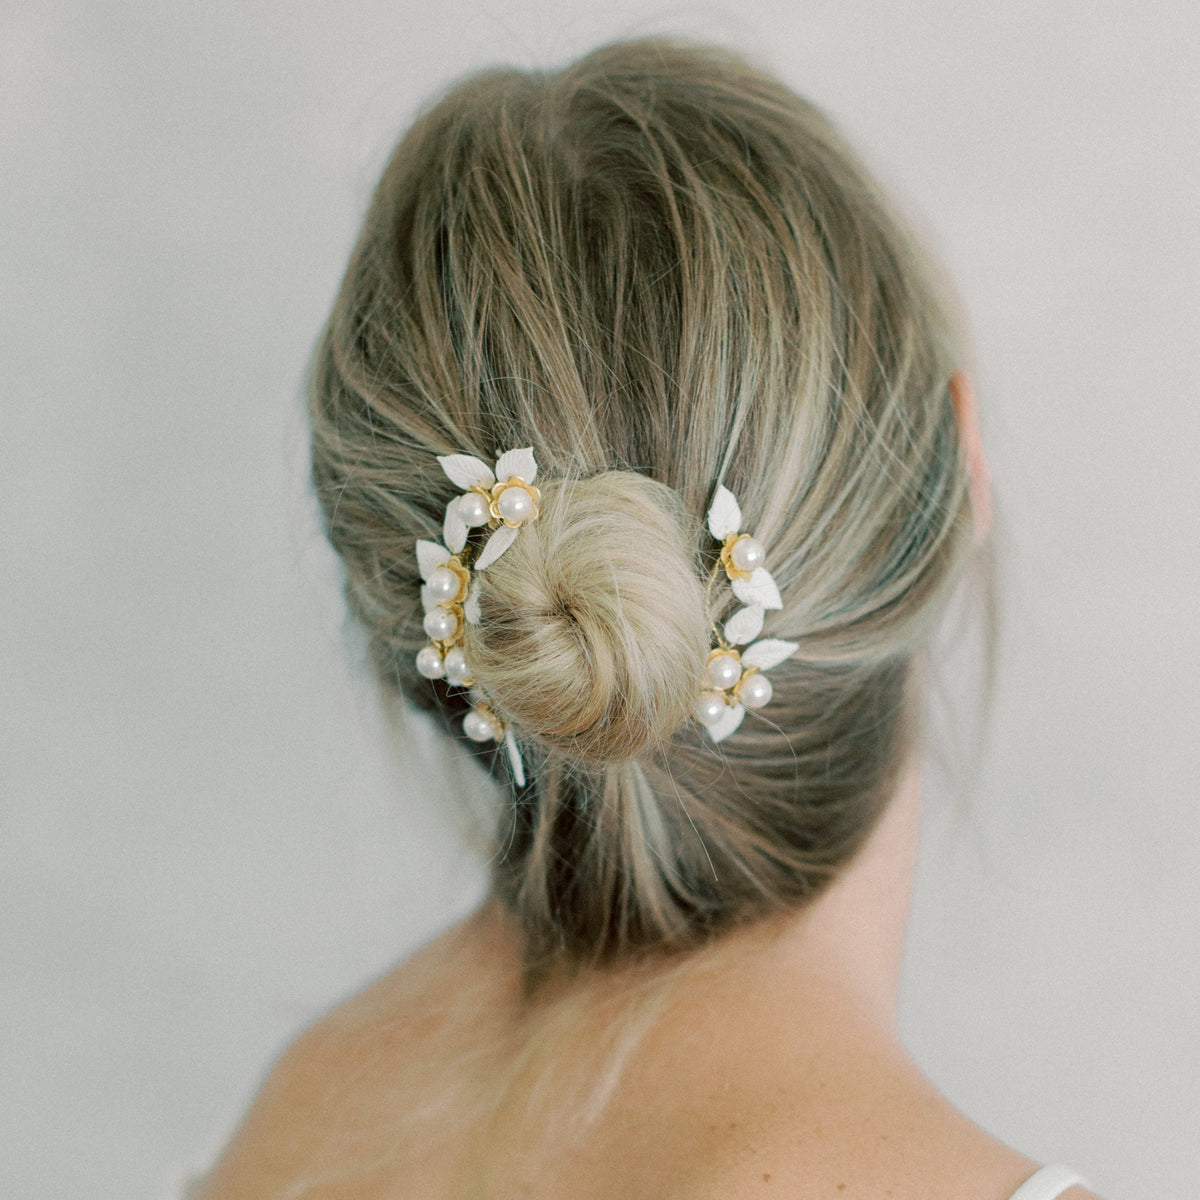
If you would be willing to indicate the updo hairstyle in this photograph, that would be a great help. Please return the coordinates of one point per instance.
(663, 271)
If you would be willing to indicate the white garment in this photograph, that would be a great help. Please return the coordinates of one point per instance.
(1048, 1183)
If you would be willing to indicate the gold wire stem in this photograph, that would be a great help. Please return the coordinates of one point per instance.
(717, 571)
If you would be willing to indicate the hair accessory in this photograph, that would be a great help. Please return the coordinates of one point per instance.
(503, 501)
(733, 678)
(482, 725)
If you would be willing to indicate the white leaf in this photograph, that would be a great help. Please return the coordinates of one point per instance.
(728, 723)
(517, 462)
(745, 625)
(496, 546)
(758, 589)
(471, 604)
(430, 556)
(724, 516)
(454, 528)
(768, 653)
(514, 757)
(466, 470)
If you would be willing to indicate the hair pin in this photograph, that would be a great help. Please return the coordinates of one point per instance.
(733, 679)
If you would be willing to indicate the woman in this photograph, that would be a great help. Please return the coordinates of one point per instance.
(640, 427)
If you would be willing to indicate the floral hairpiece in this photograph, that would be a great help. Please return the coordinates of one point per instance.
(733, 678)
(503, 501)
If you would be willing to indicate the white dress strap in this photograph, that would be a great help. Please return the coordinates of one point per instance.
(1048, 1183)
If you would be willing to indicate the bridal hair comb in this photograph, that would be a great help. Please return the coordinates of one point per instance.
(502, 501)
(733, 678)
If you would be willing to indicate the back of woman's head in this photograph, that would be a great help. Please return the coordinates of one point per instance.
(664, 272)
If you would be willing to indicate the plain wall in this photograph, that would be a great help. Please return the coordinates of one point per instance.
(204, 837)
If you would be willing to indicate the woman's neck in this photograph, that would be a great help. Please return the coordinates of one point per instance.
(847, 943)
(798, 985)
(851, 937)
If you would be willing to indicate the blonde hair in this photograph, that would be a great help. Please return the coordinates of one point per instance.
(664, 271)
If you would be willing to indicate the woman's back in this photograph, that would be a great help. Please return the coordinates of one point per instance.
(767, 1068)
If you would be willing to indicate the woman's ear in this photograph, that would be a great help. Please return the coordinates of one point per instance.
(962, 392)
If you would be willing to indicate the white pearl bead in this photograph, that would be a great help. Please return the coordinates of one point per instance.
(440, 624)
(710, 708)
(473, 508)
(756, 690)
(478, 726)
(429, 663)
(457, 671)
(515, 504)
(724, 670)
(443, 584)
(747, 554)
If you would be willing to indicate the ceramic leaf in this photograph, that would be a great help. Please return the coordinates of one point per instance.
(745, 625)
(724, 516)
(496, 546)
(768, 653)
(517, 462)
(466, 470)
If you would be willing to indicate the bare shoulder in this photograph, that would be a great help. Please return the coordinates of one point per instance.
(891, 1135)
(337, 1101)
(277, 1142)
(956, 1169)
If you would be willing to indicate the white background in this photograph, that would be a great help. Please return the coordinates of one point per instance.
(204, 838)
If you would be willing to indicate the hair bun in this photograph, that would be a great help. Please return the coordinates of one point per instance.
(593, 631)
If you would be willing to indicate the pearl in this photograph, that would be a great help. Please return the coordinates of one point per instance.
(441, 624)
(747, 554)
(479, 726)
(710, 708)
(514, 504)
(473, 508)
(724, 670)
(443, 585)
(457, 671)
(756, 690)
(429, 663)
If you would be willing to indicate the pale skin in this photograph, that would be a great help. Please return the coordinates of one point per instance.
(772, 1069)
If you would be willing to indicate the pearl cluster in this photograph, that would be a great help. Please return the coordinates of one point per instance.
(443, 596)
(733, 679)
(725, 675)
(450, 666)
